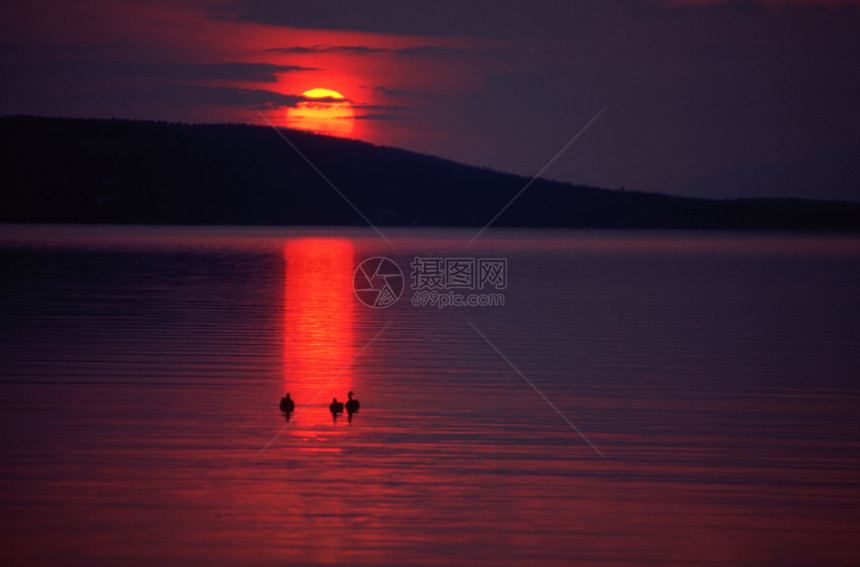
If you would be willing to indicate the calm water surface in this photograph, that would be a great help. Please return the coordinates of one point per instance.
(716, 374)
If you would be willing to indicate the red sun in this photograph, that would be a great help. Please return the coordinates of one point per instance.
(333, 115)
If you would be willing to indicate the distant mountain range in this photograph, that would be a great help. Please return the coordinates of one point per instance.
(122, 171)
(833, 175)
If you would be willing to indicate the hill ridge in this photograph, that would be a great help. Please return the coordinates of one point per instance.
(145, 172)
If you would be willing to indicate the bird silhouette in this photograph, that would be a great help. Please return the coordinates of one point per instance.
(287, 403)
(352, 405)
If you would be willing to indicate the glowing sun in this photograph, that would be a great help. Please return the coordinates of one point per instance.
(333, 116)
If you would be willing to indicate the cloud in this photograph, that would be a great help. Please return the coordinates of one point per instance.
(192, 95)
(257, 72)
(499, 20)
(84, 47)
(381, 107)
(393, 93)
(439, 18)
(82, 71)
(382, 111)
(837, 4)
(417, 51)
(381, 116)
(441, 51)
(254, 72)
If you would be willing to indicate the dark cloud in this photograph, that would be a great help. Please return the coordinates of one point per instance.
(495, 19)
(135, 70)
(324, 99)
(175, 101)
(381, 116)
(302, 50)
(393, 93)
(441, 18)
(190, 95)
(441, 51)
(354, 49)
(381, 107)
(67, 49)
(294, 50)
(254, 72)
(257, 72)
(418, 51)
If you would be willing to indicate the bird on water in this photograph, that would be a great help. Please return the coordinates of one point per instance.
(352, 405)
(287, 403)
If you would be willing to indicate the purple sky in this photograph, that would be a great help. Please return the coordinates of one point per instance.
(695, 90)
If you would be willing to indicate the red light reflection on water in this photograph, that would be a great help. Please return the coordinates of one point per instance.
(318, 322)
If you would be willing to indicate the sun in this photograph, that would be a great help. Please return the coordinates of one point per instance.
(333, 116)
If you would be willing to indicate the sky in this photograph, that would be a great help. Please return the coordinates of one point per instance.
(685, 93)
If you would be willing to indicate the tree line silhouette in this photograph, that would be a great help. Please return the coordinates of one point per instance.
(124, 171)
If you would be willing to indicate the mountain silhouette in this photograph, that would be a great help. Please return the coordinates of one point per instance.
(834, 175)
(122, 171)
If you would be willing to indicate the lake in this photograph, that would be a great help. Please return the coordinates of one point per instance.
(620, 397)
